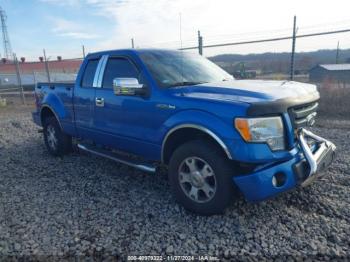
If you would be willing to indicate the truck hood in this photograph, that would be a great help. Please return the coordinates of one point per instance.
(249, 91)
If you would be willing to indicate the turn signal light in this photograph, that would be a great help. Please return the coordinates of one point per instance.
(242, 126)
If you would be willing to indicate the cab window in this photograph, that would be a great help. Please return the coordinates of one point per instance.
(89, 73)
(119, 67)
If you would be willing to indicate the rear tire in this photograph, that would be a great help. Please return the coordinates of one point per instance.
(200, 176)
(57, 143)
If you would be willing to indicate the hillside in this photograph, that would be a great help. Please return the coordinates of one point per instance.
(280, 62)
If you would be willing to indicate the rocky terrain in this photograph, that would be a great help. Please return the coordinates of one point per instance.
(81, 205)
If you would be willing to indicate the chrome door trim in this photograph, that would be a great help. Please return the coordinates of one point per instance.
(101, 64)
(201, 128)
(102, 70)
(97, 72)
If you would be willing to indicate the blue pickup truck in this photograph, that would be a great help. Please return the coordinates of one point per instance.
(148, 108)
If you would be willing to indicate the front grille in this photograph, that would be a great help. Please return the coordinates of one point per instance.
(303, 115)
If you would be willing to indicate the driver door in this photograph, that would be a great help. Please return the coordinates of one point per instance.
(122, 120)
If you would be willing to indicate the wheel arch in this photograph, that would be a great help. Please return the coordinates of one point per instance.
(47, 111)
(185, 132)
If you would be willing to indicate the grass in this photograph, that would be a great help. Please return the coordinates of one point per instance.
(335, 100)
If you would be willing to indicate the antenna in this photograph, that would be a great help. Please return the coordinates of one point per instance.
(182, 67)
(5, 37)
(180, 29)
(83, 51)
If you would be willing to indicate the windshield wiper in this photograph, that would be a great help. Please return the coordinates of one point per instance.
(185, 83)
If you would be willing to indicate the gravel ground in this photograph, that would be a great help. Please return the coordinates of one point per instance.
(52, 208)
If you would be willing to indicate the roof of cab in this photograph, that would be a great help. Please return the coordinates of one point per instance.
(132, 51)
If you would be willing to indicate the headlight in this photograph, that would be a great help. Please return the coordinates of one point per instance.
(262, 130)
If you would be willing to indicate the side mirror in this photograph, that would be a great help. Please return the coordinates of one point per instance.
(128, 86)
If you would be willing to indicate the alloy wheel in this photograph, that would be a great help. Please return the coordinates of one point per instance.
(197, 179)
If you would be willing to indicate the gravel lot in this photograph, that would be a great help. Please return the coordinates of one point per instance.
(87, 206)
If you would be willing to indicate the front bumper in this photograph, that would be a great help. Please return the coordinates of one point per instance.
(314, 156)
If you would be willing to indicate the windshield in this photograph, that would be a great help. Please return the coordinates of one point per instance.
(175, 68)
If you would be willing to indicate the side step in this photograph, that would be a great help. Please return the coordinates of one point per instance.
(118, 158)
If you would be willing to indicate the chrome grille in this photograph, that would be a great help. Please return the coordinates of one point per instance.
(303, 115)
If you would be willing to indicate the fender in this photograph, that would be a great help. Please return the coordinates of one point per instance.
(52, 102)
(53, 111)
(203, 121)
(201, 128)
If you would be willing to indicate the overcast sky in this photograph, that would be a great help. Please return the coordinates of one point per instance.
(62, 26)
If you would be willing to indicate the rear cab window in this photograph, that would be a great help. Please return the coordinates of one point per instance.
(89, 73)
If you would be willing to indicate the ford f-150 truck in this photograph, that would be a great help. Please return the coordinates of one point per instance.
(148, 108)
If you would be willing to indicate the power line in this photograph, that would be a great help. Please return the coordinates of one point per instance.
(253, 34)
(250, 33)
(327, 24)
(276, 33)
(269, 39)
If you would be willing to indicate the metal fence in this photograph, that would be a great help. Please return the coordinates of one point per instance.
(17, 84)
(288, 65)
(30, 79)
(292, 40)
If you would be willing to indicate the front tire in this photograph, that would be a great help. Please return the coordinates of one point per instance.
(200, 177)
(57, 143)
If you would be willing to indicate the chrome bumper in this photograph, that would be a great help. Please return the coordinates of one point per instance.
(318, 160)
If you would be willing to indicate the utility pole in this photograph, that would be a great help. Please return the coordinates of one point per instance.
(47, 67)
(132, 43)
(83, 51)
(19, 80)
(293, 49)
(200, 43)
(34, 79)
(337, 55)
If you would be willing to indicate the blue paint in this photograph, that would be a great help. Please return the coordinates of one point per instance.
(258, 185)
(137, 124)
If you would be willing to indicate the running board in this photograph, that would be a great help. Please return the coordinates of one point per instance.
(118, 158)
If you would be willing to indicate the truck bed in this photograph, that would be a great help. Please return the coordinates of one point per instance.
(59, 93)
(53, 85)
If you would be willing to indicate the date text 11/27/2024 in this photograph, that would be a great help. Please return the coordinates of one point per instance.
(172, 258)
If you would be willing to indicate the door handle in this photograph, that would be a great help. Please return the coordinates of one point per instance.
(100, 101)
